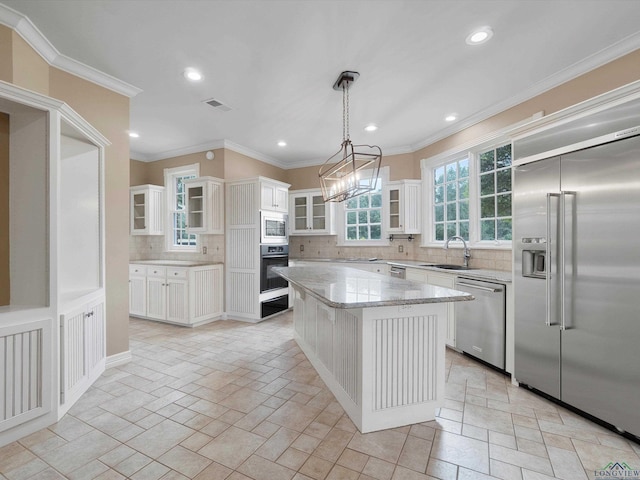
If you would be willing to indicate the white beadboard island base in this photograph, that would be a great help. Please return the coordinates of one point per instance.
(376, 341)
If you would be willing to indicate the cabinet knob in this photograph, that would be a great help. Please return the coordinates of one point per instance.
(175, 273)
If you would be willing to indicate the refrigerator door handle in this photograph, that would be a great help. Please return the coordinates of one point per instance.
(548, 263)
(562, 264)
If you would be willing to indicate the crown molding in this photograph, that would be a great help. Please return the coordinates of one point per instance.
(226, 144)
(34, 37)
(177, 152)
(316, 162)
(604, 56)
(254, 154)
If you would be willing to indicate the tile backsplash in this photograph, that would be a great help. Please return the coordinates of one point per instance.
(325, 246)
(151, 247)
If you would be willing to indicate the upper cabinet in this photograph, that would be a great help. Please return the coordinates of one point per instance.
(147, 210)
(205, 205)
(274, 196)
(404, 206)
(309, 214)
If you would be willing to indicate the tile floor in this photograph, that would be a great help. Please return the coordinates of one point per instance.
(234, 401)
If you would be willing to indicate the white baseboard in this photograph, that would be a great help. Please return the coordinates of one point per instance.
(118, 359)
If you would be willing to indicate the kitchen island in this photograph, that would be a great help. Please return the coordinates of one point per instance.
(378, 342)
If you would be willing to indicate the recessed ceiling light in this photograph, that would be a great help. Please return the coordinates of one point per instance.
(193, 75)
(282, 143)
(479, 36)
(450, 118)
(134, 134)
(371, 128)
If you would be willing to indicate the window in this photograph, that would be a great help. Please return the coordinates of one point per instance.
(364, 215)
(177, 238)
(469, 195)
(451, 200)
(495, 193)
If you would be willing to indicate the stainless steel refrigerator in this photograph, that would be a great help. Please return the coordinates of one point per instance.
(576, 223)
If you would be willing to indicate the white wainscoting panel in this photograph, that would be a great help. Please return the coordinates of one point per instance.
(25, 352)
(402, 346)
(241, 204)
(347, 354)
(207, 292)
(238, 301)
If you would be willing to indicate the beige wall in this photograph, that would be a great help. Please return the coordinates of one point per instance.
(4, 210)
(109, 113)
(137, 173)
(30, 70)
(153, 172)
(6, 54)
(238, 166)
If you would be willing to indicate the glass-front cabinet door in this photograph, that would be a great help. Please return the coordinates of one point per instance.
(309, 214)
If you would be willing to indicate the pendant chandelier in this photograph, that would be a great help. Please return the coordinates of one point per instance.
(340, 176)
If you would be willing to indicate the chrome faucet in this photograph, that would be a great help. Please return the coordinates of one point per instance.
(467, 252)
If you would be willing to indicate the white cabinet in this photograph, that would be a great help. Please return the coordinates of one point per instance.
(82, 350)
(205, 205)
(243, 200)
(137, 290)
(309, 214)
(440, 280)
(403, 199)
(147, 210)
(274, 196)
(53, 241)
(182, 295)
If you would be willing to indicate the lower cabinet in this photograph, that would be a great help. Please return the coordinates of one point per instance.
(440, 280)
(82, 351)
(182, 295)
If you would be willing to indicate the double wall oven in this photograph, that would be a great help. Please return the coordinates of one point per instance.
(274, 252)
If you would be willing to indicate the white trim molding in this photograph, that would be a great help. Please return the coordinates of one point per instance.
(43, 47)
(118, 359)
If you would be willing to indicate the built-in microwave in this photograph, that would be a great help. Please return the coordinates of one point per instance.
(273, 227)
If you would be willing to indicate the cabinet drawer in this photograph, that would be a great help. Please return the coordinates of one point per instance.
(137, 270)
(177, 273)
(156, 271)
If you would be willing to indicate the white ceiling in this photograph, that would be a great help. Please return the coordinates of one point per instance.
(274, 63)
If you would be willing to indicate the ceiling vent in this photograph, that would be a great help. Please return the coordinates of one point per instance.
(218, 105)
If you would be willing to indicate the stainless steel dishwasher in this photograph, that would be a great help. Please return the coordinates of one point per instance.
(480, 324)
(397, 271)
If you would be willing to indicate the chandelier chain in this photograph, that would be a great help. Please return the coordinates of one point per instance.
(345, 111)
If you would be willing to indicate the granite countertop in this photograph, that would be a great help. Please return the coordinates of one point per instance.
(479, 273)
(173, 263)
(345, 287)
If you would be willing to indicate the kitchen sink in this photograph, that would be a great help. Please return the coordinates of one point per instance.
(447, 266)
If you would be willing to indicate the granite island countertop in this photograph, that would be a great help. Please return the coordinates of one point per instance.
(345, 287)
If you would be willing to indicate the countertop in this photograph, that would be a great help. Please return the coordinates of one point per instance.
(346, 287)
(479, 273)
(173, 263)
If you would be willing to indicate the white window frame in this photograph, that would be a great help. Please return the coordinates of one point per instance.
(169, 181)
(473, 154)
(341, 218)
(478, 220)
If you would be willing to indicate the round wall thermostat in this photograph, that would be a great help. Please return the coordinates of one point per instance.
(209, 155)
